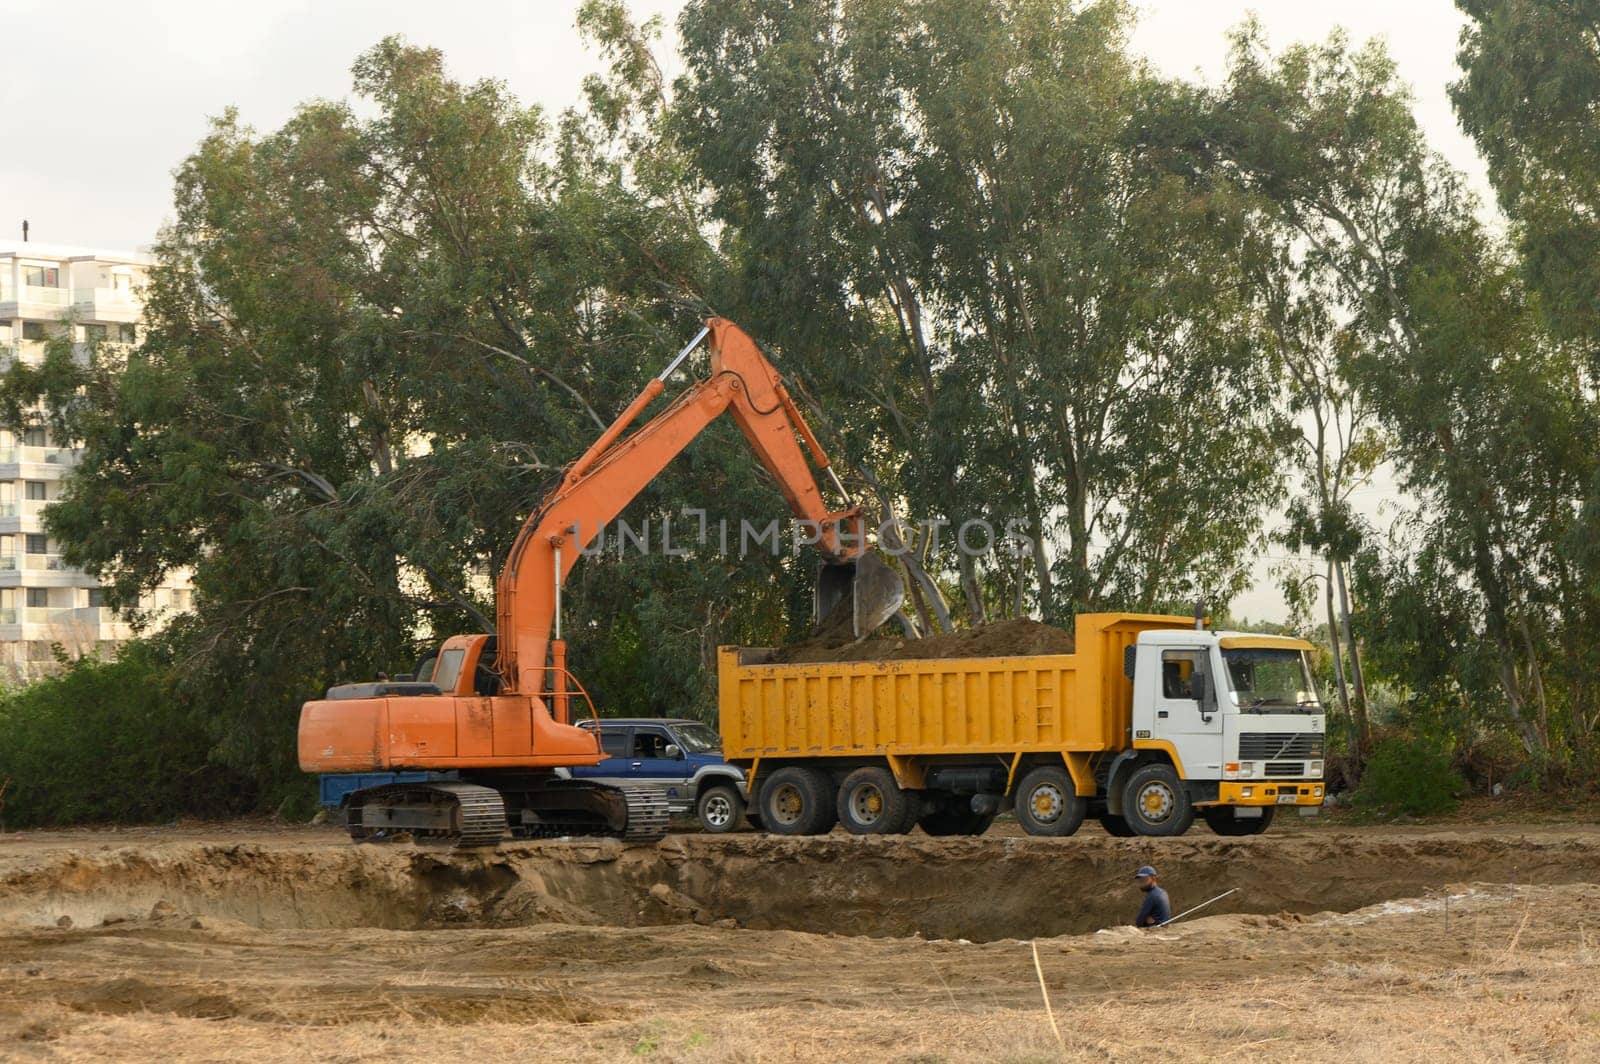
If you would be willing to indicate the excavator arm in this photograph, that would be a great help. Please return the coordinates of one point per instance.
(612, 472)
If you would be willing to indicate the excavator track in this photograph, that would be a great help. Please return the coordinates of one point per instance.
(445, 814)
(458, 815)
(648, 815)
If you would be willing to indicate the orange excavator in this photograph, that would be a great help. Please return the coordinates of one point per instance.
(494, 712)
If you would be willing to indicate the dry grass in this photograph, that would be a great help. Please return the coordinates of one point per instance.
(1506, 973)
(1510, 1003)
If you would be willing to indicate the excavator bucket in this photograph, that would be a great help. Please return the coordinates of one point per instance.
(866, 591)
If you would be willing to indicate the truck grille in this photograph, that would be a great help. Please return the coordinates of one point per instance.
(1286, 768)
(1262, 746)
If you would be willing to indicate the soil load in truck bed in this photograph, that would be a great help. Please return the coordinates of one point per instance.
(1000, 639)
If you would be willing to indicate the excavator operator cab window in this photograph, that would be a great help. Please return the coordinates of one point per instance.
(649, 744)
(448, 670)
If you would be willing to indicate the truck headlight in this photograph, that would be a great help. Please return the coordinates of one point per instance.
(1247, 769)
(1316, 768)
(1246, 792)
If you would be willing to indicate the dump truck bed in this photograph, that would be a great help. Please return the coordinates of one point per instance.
(932, 707)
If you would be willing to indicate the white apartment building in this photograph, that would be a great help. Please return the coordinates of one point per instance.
(45, 289)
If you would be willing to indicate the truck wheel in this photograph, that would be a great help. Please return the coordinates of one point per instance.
(719, 808)
(916, 805)
(951, 819)
(1155, 803)
(872, 803)
(1048, 803)
(797, 801)
(1220, 819)
(1116, 825)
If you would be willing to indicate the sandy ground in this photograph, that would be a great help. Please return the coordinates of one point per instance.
(260, 943)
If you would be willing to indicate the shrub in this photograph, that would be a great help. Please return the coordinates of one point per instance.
(107, 741)
(1407, 775)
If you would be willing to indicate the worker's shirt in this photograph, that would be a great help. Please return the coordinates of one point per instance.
(1156, 904)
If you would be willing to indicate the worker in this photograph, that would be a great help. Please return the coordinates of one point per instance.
(1157, 907)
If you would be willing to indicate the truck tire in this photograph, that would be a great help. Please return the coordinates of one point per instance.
(1116, 825)
(797, 801)
(916, 805)
(872, 803)
(1048, 803)
(719, 808)
(1220, 819)
(955, 818)
(1155, 803)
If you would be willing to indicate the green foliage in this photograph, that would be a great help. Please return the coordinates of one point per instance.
(108, 741)
(374, 335)
(945, 216)
(1529, 89)
(1411, 776)
(1012, 273)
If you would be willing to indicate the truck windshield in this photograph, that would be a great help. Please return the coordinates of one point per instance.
(697, 738)
(1271, 681)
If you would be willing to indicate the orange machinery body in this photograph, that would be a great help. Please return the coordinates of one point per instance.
(525, 724)
(456, 730)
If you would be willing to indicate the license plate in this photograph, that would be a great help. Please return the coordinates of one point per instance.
(1287, 799)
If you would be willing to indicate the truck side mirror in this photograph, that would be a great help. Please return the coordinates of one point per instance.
(1201, 683)
(674, 752)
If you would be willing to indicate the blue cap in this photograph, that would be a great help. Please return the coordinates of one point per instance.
(1144, 870)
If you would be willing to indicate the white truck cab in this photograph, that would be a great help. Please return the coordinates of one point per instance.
(1239, 717)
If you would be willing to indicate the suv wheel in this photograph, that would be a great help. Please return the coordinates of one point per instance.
(719, 808)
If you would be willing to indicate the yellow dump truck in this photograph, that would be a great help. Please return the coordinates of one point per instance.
(1151, 721)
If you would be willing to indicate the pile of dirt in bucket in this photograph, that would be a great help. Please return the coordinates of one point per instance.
(997, 640)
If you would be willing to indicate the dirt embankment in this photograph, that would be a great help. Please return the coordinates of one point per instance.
(750, 948)
(975, 889)
(1000, 639)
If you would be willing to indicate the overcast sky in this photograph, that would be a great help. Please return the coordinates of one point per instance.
(101, 100)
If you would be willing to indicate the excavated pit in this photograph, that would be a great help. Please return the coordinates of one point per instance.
(976, 889)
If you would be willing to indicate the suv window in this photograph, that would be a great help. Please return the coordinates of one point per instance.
(649, 742)
(614, 742)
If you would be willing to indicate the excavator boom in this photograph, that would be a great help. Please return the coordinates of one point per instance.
(494, 711)
(613, 471)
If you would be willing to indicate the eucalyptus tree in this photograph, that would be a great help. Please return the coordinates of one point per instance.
(1449, 355)
(941, 212)
(1528, 93)
(372, 337)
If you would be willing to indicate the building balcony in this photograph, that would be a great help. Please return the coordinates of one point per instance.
(44, 563)
(27, 301)
(59, 617)
(37, 463)
(21, 516)
(105, 304)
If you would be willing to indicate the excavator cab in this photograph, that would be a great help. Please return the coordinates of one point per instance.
(866, 587)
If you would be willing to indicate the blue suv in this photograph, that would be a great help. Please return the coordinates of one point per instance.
(683, 758)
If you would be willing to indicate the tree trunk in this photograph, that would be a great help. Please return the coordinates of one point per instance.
(1363, 722)
(1338, 652)
(1497, 622)
(971, 589)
